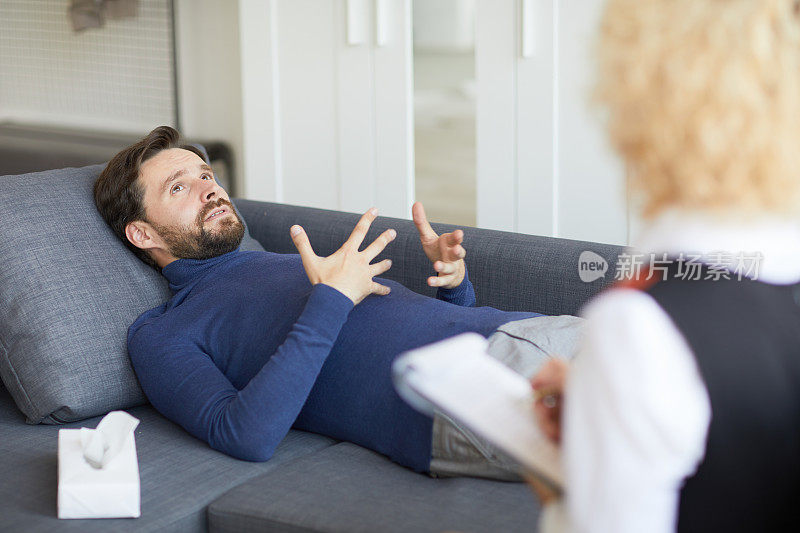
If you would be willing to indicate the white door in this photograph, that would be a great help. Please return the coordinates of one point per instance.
(327, 94)
(544, 166)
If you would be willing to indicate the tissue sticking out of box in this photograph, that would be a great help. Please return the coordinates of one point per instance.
(102, 444)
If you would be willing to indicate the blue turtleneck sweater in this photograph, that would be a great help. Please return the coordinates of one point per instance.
(247, 348)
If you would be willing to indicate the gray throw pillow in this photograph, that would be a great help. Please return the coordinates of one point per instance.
(69, 289)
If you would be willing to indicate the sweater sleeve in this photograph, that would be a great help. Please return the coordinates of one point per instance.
(183, 383)
(463, 295)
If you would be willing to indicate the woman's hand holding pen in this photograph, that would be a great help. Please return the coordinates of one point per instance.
(548, 386)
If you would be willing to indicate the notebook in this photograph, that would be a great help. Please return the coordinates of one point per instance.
(459, 378)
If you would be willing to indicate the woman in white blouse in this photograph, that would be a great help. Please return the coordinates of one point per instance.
(702, 102)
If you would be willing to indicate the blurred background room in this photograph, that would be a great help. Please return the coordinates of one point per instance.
(478, 108)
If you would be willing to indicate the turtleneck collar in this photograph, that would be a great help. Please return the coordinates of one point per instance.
(182, 273)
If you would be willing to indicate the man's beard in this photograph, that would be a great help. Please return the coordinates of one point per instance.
(185, 242)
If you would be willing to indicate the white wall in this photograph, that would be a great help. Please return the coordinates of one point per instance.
(337, 112)
(592, 204)
(279, 76)
(210, 75)
(115, 78)
(544, 165)
(118, 78)
(261, 159)
(327, 97)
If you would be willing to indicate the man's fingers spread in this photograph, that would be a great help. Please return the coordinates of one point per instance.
(421, 221)
(360, 231)
(379, 268)
(382, 290)
(446, 280)
(418, 214)
(301, 242)
(444, 268)
(434, 281)
(379, 244)
(455, 237)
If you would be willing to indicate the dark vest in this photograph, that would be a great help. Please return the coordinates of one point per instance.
(745, 336)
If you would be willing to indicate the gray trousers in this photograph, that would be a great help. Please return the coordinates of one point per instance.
(523, 346)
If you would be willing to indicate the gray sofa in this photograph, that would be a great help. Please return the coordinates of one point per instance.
(312, 483)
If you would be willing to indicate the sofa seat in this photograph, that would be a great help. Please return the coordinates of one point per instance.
(348, 489)
(180, 475)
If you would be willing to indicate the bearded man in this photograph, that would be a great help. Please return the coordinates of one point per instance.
(252, 343)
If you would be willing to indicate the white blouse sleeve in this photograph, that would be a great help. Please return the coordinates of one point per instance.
(636, 417)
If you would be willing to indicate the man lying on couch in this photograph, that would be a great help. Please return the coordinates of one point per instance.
(252, 344)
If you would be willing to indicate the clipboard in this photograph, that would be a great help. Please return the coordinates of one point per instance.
(458, 377)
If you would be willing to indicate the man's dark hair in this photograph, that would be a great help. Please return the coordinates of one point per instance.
(119, 195)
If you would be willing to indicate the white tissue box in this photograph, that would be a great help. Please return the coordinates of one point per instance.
(88, 492)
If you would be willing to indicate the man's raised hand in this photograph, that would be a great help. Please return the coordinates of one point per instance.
(444, 251)
(347, 270)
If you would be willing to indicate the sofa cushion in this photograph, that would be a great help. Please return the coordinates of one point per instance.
(346, 488)
(69, 289)
(180, 475)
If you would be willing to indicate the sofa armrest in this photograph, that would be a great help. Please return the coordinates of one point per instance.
(510, 271)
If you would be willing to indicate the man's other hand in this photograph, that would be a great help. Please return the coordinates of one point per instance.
(444, 251)
(548, 384)
(347, 270)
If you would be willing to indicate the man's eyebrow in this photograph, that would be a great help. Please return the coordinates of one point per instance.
(180, 172)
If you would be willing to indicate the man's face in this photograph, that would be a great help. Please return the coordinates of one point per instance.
(189, 215)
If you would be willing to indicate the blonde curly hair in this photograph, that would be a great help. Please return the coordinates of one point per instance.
(702, 101)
